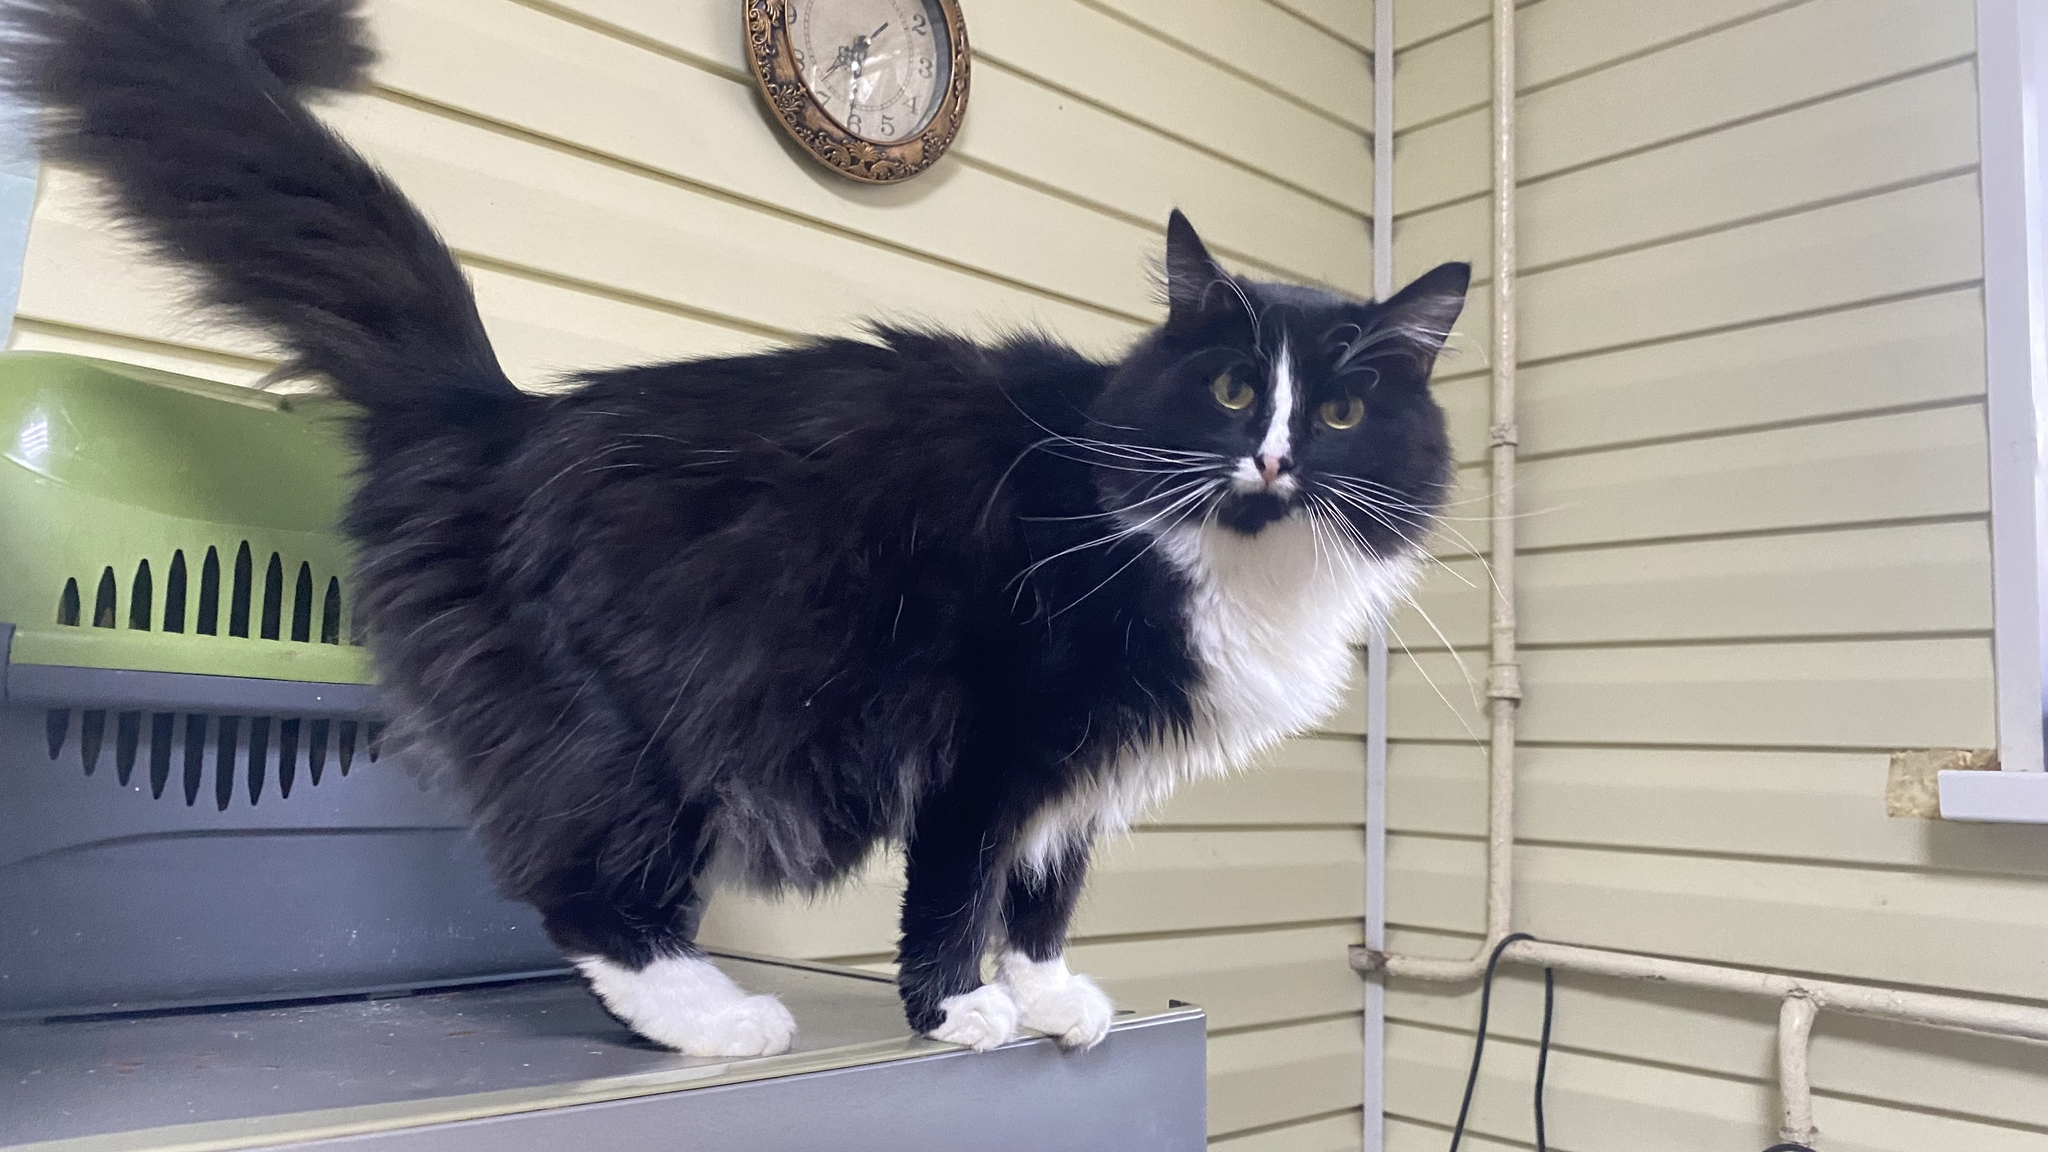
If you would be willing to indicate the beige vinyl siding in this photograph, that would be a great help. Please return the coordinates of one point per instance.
(605, 173)
(1753, 505)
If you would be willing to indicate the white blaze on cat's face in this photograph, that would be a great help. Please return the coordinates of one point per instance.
(1269, 468)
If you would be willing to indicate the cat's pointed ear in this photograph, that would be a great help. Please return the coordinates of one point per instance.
(1418, 318)
(1194, 281)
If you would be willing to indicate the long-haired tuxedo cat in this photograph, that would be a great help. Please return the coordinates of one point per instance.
(742, 621)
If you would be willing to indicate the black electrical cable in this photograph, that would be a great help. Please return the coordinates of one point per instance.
(1542, 1048)
(1479, 1041)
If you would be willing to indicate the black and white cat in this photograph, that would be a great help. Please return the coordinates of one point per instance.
(742, 621)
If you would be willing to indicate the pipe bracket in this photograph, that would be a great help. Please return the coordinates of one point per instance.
(1504, 681)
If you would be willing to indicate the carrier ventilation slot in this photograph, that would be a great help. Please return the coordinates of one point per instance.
(274, 618)
(250, 757)
(204, 617)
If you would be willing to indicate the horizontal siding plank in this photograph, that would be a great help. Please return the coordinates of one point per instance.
(1340, 1133)
(1921, 350)
(1467, 401)
(1972, 933)
(1887, 694)
(1451, 607)
(1175, 881)
(543, 333)
(1556, 40)
(1450, 74)
(1149, 881)
(1899, 132)
(1418, 20)
(1266, 43)
(1879, 695)
(1918, 578)
(1021, 126)
(31, 335)
(1803, 53)
(1073, 146)
(1261, 40)
(1077, 48)
(1274, 1075)
(1820, 806)
(81, 275)
(1592, 1104)
(1911, 240)
(1241, 979)
(1598, 1104)
(1859, 582)
(1462, 230)
(1735, 1036)
(1465, 530)
(1313, 780)
(1436, 696)
(1444, 162)
(1349, 20)
(510, 200)
(510, 64)
(1911, 464)
(1405, 1135)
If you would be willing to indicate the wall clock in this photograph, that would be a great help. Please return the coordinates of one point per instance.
(875, 89)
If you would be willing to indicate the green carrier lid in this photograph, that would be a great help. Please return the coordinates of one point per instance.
(161, 523)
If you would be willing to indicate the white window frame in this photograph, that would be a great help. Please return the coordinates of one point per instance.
(2012, 114)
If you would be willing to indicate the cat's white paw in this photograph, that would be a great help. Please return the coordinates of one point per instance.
(982, 1019)
(686, 1003)
(1071, 1009)
(756, 1026)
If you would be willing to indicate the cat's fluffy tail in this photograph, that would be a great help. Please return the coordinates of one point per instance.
(191, 113)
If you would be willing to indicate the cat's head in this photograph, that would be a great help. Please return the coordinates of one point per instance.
(1256, 402)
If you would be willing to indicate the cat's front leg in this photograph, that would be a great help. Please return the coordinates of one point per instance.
(1037, 907)
(952, 891)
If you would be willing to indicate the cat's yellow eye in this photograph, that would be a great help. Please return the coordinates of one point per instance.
(1231, 392)
(1343, 414)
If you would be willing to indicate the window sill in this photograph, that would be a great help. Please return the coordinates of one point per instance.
(2000, 797)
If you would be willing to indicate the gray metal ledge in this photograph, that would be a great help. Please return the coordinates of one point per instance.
(539, 1065)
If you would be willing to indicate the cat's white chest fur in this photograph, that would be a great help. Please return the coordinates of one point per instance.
(1273, 620)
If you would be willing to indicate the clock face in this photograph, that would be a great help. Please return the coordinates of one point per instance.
(879, 68)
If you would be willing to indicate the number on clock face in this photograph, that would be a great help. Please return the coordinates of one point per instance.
(878, 67)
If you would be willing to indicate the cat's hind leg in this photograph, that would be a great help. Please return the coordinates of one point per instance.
(634, 939)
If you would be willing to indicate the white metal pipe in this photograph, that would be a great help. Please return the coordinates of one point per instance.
(1373, 1115)
(1503, 672)
(1795, 1088)
(1932, 1008)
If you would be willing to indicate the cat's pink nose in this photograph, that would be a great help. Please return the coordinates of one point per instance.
(1272, 467)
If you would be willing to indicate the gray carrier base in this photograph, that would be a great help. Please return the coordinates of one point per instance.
(537, 1065)
(163, 843)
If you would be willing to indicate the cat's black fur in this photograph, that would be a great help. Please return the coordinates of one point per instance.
(757, 614)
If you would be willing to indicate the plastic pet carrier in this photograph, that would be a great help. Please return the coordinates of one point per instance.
(193, 807)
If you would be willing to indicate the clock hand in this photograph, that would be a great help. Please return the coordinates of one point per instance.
(844, 58)
(854, 55)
